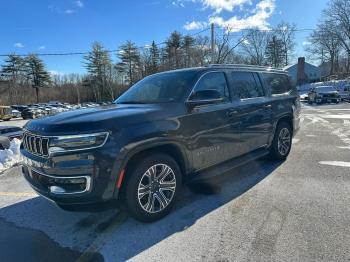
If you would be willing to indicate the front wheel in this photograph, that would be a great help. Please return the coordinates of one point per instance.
(152, 187)
(282, 142)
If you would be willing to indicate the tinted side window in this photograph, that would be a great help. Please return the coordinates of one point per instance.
(278, 83)
(214, 81)
(246, 85)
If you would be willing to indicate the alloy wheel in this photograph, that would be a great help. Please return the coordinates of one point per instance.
(284, 141)
(156, 188)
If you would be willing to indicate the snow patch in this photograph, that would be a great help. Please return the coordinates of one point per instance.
(10, 157)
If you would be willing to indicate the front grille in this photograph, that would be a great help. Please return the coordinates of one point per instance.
(36, 145)
(329, 95)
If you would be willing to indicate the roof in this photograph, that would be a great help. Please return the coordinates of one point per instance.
(289, 66)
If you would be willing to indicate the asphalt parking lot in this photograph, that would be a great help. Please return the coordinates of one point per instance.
(297, 210)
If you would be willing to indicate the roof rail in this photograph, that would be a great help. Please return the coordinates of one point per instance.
(244, 66)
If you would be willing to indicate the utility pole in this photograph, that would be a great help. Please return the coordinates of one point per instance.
(212, 44)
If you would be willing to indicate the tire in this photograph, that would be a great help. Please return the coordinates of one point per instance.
(141, 208)
(282, 142)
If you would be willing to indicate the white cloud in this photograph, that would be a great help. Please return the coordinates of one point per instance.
(69, 11)
(256, 16)
(194, 25)
(19, 45)
(56, 73)
(178, 3)
(224, 5)
(79, 3)
(306, 43)
(42, 47)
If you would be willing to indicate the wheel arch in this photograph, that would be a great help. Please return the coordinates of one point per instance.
(170, 148)
(288, 118)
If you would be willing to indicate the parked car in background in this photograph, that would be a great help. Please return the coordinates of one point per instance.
(5, 113)
(168, 129)
(20, 108)
(344, 93)
(323, 94)
(16, 113)
(32, 113)
(11, 132)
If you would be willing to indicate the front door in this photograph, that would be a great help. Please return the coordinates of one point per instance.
(211, 131)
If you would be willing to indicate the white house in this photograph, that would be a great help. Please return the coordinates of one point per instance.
(303, 72)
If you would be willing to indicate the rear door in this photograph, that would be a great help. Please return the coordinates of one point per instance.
(254, 110)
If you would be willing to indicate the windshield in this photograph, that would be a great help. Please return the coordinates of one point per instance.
(159, 88)
(325, 89)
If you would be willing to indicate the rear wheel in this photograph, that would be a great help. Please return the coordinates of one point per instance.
(152, 187)
(282, 142)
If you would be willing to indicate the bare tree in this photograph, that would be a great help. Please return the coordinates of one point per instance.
(225, 46)
(285, 32)
(254, 45)
(338, 12)
(325, 45)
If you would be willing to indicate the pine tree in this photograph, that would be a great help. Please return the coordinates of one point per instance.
(172, 50)
(14, 68)
(155, 55)
(36, 73)
(129, 64)
(187, 45)
(275, 52)
(13, 72)
(99, 66)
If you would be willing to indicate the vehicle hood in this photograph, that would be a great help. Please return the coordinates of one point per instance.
(96, 119)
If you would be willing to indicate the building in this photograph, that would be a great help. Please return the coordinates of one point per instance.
(303, 72)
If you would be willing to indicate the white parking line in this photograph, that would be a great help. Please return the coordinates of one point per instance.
(335, 163)
(342, 116)
(344, 147)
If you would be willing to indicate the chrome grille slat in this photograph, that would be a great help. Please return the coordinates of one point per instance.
(36, 145)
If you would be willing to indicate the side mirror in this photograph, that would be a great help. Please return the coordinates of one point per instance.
(205, 97)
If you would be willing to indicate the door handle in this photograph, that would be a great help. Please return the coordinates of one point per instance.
(267, 106)
(231, 113)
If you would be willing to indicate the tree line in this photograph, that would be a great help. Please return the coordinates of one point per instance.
(108, 74)
(330, 41)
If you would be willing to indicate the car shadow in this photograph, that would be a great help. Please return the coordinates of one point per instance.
(112, 233)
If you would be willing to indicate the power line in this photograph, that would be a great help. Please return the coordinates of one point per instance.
(162, 43)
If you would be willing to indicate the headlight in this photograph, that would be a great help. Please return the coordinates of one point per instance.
(77, 142)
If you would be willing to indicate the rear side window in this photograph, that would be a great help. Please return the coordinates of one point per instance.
(246, 85)
(277, 83)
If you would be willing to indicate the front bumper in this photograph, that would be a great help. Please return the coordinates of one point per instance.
(328, 99)
(73, 179)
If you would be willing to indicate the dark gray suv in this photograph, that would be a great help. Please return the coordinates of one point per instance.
(168, 129)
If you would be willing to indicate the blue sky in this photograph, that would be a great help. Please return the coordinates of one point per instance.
(58, 26)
